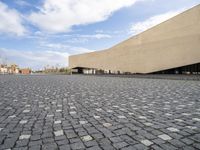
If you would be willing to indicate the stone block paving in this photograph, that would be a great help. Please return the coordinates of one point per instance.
(98, 113)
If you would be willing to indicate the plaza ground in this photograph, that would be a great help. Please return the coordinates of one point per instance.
(98, 113)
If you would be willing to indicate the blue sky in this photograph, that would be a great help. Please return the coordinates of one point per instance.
(37, 33)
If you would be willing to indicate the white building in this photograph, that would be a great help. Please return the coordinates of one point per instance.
(3, 69)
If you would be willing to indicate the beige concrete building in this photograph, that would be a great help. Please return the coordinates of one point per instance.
(170, 47)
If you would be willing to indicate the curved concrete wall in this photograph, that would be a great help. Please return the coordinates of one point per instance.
(171, 44)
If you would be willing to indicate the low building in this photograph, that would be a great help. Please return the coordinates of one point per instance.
(13, 69)
(3, 69)
(25, 71)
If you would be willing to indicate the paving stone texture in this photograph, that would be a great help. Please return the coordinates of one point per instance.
(98, 113)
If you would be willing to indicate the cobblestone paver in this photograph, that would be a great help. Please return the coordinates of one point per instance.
(98, 113)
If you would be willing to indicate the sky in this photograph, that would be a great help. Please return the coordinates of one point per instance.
(39, 33)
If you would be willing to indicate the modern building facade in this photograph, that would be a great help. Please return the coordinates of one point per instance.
(170, 47)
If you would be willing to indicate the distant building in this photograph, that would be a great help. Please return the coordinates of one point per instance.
(9, 69)
(3, 69)
(13, 69)
(25, 71)
(172, 47)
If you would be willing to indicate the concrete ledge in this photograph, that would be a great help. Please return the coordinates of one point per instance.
(155, 76)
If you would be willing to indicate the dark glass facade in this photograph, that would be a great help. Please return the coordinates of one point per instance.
(189, 69)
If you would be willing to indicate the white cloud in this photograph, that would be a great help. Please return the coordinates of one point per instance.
(60, 15)
(63, 47)
(85, 38)
(153, 21)
(10, 21)
(22, 3)
(96, 36)
(36, 59)
(53, 55)
(76, 40)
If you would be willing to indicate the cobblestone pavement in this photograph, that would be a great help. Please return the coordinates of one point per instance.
(94, 113)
